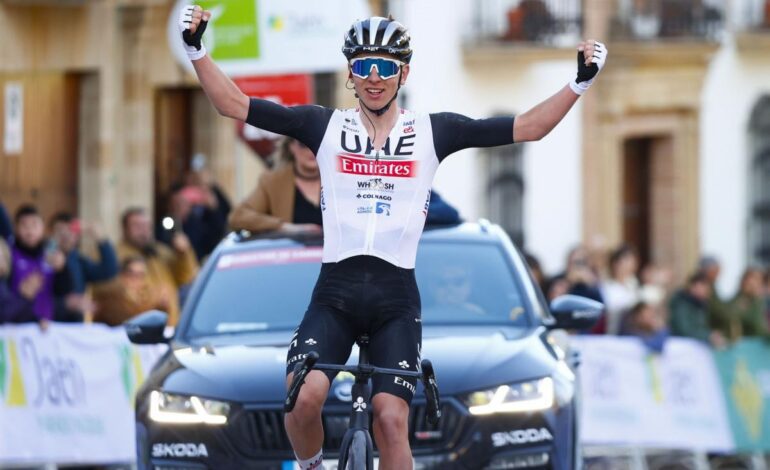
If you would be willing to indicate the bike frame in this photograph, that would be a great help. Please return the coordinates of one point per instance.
(361, 393)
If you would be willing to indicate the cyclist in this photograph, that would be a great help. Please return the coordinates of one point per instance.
(377, 163)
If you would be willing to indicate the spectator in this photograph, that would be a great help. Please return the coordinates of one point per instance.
(655, 280)
(16, 308)
(711, 268)
(556, 286)
(287, 198)
(688, 309)
(621, 291)
(128, 295)
(195, 211)
(744, 315)
(6, 229)
(66, 232)
(645, 322)
(201, 207)
(441, 212)
(582, 279)
(168, 268)
(34, 260)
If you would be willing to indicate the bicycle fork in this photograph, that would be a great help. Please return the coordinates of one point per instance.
(359, 418)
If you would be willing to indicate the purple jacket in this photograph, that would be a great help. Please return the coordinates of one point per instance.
(14, 308)
(25, 262)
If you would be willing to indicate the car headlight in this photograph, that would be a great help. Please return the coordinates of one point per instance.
(521, 397)
(186, 409)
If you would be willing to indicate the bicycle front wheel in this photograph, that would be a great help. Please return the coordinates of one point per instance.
(357, 452)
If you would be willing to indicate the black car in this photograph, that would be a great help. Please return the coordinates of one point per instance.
(508, 390)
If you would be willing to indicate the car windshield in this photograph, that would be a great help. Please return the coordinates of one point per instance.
(269, 289)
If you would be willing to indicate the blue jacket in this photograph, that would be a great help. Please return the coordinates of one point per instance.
(440, 212)
(84, 270)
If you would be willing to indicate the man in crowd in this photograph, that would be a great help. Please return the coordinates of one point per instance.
(688, 310)
(66, 231)
(168, 268)
(128, 295)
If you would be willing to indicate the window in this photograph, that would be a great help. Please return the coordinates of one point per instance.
(505, 187)
(759, 183)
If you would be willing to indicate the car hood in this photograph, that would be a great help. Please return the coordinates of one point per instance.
(465, 359)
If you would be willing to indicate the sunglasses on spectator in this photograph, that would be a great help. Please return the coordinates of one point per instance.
(386, 68)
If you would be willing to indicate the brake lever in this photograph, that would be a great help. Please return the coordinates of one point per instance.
(431, 392)
(300, 372)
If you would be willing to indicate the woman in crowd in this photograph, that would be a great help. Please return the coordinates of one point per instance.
(287, 198)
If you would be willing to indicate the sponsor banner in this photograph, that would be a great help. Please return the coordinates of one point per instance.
(250, 37)
(69, 392)
(745, 372)
(631, 397)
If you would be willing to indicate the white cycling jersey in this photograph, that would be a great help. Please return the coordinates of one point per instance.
(375, 202)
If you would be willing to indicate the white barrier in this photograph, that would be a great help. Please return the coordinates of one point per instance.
(634, 398)
(66, 395)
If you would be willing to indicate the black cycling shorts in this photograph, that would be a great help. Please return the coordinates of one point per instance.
(364, 295)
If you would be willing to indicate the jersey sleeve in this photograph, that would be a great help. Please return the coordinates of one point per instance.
(453, 132)
(306, 123)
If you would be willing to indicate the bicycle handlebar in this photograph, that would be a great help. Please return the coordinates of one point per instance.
(300, 372)
(425, 374)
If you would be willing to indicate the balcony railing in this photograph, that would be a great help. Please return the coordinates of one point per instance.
(645, 20)
(554, 23)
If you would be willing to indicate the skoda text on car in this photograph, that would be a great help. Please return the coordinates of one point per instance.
(508, 388)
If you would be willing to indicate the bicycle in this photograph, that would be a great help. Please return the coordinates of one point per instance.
(356, 451)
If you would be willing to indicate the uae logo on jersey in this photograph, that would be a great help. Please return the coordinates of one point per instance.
(358, 165)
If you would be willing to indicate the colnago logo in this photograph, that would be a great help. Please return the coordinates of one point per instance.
(357, 165)
(179, 449)
(521, 436)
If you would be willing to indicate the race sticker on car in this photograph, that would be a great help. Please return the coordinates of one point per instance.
(252, 258)
(327, 465)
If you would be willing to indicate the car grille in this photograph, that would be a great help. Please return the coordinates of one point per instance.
(260, 433)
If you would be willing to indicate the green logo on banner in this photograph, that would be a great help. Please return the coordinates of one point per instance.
(745, 372)
(232, 33)
(131, 372)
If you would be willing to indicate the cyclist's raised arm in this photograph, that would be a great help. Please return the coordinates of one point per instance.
(305, 123)
(453, 132)
(226, 97)
(540, 120)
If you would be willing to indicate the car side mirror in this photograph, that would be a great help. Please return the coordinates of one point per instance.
(147, 328)
(573, 312)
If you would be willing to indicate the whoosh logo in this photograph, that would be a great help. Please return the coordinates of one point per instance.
(11, 381)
